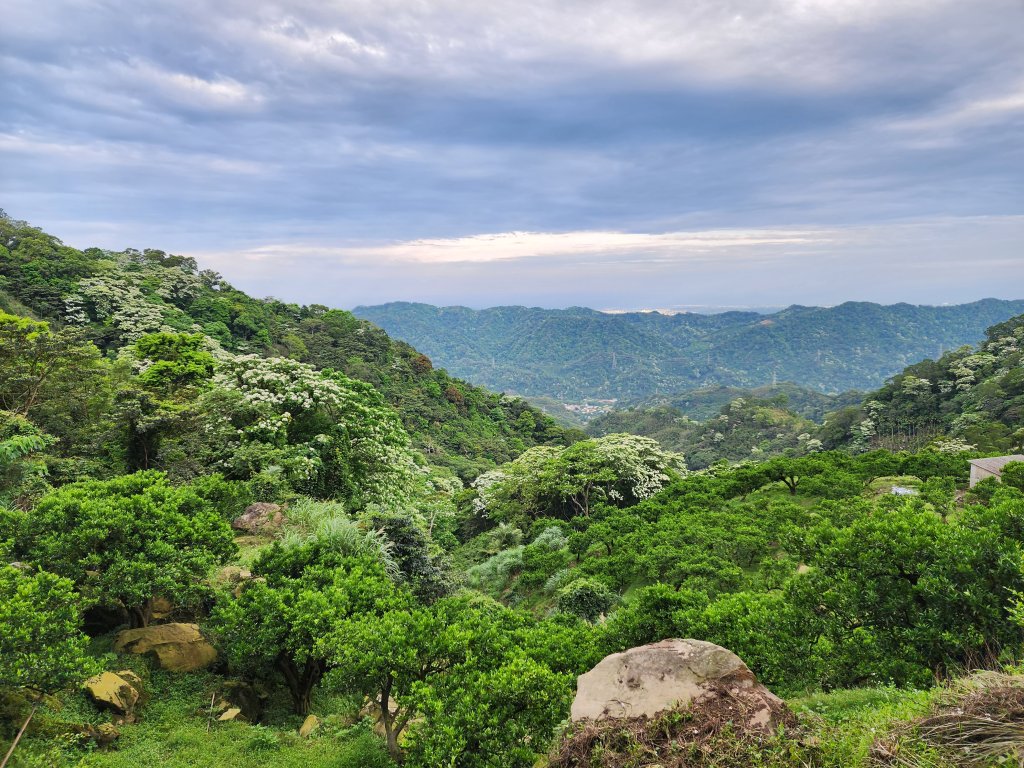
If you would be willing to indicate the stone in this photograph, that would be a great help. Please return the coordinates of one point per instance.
(232, 713)
(161, 608)
(259, 517)
(310, 724)
(136, 682)
(251, 699)
(645, 681)
(105, 734)
(233, 574)
(109, 690)
(177, 647)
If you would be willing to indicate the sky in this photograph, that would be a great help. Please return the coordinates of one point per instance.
(617, 154)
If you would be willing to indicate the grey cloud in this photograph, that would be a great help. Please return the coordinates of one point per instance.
(202, 126)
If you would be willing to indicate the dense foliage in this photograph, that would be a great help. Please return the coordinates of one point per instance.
(743, 429)
(434, 617)
(974, 396)
(42, 647)
(117, 298)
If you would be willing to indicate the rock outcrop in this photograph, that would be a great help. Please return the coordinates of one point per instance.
(177, 647)
(310, 724)
(259, 517)
(229, 714)
(113, 692)
(250, 699)
(654, 678)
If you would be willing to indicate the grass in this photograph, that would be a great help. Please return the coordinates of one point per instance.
(881, 486)
(845, 724)
(173, 731)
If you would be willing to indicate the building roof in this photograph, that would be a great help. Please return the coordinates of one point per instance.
(996, 463)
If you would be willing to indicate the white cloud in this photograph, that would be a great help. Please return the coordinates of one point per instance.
(506, 246)
(522, 245)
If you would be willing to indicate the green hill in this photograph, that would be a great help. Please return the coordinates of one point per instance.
(579, 353)
(705, 403)
(972, 394)
(117, 297)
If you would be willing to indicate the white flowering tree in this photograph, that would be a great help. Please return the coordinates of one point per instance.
(328, 435)
(618, 469)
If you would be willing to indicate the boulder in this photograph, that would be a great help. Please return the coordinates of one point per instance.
(644, 681)
(236, 577)
(371, 709)
(250, 699)
(109, 690)
(161, 608)
(231, 713)
(233, 574)
(259, 517)
(177, 647)
(136, 682)
(310, 724)
(104, 734)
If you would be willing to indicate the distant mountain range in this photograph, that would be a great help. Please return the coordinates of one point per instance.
(579, 353)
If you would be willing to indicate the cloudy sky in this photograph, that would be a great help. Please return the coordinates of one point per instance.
(622, 154)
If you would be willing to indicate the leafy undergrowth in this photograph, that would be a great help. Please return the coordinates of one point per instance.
(174, 731)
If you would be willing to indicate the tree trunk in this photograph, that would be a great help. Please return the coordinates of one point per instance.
(300, 682)
(140, 615)
(390, 732)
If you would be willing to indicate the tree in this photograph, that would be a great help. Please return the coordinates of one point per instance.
(490, 718)
(128, 540)
(172, 361)
(453, 664)
(54, 378)
(42, 647)
(902, 596)
(547, 481)
(791, 471)
(1013, 475)
(278, 622)
(587, 598)
(420, 571)
(331, 436)
(22, 471)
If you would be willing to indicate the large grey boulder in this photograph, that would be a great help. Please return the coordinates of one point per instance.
(259, 517)
(676, 673)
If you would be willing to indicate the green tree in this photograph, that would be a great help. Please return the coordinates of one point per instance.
(173, 361)
(303, 592)
(128, 540)
(42, 647)
(1013, 475)
(55, 378)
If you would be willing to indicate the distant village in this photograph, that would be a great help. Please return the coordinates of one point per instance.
(591, 408)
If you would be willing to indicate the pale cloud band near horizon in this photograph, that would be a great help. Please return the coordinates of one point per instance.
(502, 246)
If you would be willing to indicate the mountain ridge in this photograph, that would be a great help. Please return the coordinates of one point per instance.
(579, 352)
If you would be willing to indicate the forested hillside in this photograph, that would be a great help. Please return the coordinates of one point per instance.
(578, 353)
(230, 535)
(116, 298)
(706, 402)
(743, 429)
(973, 394)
